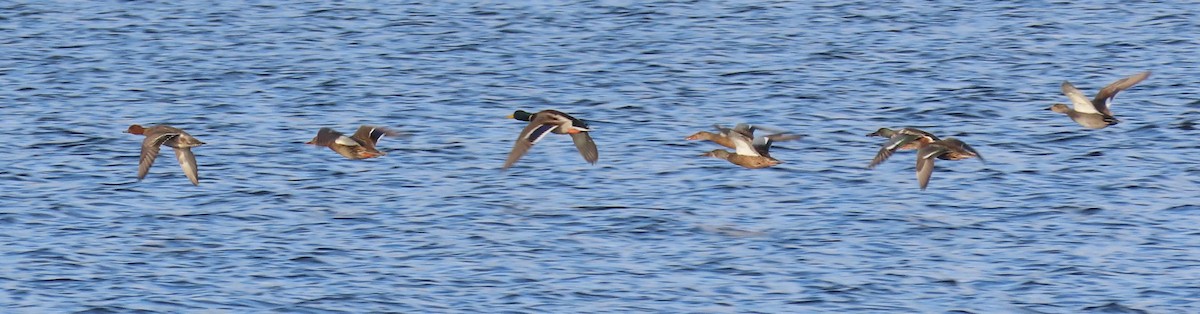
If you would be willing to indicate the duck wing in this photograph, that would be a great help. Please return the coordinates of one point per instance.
(925, 157)
(762, 145)
(150, 147)
(538, 128)
(973, 152)
(895, 142)
(187, 161)
(370, 134)
(586, 146)
(1080, 102)
(1104, 98)
(924, 171)
(326, 136)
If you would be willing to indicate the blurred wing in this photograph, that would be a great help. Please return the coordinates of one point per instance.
(931, 151)
(762, 145)
(586, 147)
(924, 171)
(371, 134)
(326, 136)
(187, 161)
(150, 147)
(723, 130)
(895, 142)
(1103, 100)
(973, 151)
(532, 133)
(1082, 104)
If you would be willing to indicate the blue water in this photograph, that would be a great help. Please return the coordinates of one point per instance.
(1058, 220)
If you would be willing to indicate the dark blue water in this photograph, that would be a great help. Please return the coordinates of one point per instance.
(1059, 220)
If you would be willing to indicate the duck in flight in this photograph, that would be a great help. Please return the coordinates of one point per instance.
(361, 145)
(902, 139)
(543, 123)
(172, 137)
(947, 149)
(749, 152)
(1095, 113)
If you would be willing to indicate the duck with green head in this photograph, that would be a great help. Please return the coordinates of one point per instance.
(543, 123)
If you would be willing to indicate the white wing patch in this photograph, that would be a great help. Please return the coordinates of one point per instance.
(742, 145)
(346, 141)
(1082, 104)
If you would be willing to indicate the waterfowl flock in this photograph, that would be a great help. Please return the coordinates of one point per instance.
(749, 151)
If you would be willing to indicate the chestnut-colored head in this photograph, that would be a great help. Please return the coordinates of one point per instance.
(135, 129)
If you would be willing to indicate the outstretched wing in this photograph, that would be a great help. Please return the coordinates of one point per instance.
(371, 134)
(586, 146)
(924, 171)
(537, 129)
(150, 147)
(895, 142)
(762, 145)
(973, 151)
(1103, 100)
(1082, 104)
(187, 161)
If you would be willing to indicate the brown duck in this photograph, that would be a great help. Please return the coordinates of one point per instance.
(902, 139)
(753, 154)
(172, 137)
(361, 145)
(947, 149)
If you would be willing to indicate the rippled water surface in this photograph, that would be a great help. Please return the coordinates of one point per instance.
(1058, 220)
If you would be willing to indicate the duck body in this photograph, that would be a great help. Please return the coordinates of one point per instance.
(1085, 119)
(543, 123)
(175, 138)
(361, 145)
(751, 162)
(1095, 113)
